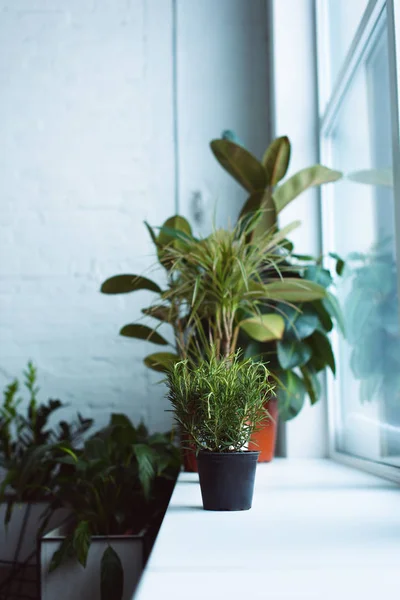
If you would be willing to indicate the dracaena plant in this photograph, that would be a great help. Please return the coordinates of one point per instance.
(301, 349)
(219, 402)
(26, 439)
(113, 486)
(216, 287)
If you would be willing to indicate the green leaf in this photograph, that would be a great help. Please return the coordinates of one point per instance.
(300, 322)
(240, 164)
(146, 458)
(152, 234)
(120, 420)
(340, 264)
(319, 275)
(311, 383)
(332, 306)
(301, 181)
(276, 160)
(294, 290)
(81, 542)
(142, 332)
(65, 551)
(291, 393)
(162, 313)
(123, 284)
(161, 361)
(261, 200)
(293, 354)
(323, 315)
(264, 328)
(111, 576)
(175, 229)
(322, 351)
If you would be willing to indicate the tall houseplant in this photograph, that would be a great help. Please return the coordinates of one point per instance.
(304, 349)
(218, 404)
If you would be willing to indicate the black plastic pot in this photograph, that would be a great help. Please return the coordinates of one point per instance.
(227, 479)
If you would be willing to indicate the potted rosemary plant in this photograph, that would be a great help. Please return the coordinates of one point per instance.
(218, 404)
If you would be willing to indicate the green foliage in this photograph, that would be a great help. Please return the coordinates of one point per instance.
(372, 323)
(111, 486)
(220, 402)
(28, 442)
(112, 576)
(302, 348)
(247, 284)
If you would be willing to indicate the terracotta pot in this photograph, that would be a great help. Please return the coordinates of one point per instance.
(264, 440)
(188, 456)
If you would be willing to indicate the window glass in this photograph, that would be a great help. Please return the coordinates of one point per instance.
(344, 17)
(367, 388)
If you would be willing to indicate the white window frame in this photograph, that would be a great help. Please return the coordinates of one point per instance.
(330, 97)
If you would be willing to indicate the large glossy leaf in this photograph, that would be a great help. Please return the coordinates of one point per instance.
(322, 352)
(175, 228)
(300, 322)
(146, 458)
(293, 353)
(324, 318)
(331, 304)
(123, 284)
(142, 332)
(294, 290)
(261, 200)
(301, 181)
(311, 382)
(161, 361)
(276, 160)
(81, 541)
(239, 163)
(264, 328)
(319, 275)
(291, 393)
(111, 576)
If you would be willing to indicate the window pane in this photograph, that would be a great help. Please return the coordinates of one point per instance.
(344, 17)
(368, 382)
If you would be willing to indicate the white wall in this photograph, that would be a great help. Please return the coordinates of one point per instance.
(87, 153)
(295, 107)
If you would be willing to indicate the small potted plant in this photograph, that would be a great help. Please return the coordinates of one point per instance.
(218, 404)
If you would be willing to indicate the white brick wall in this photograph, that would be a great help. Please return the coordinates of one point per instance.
(86, 154)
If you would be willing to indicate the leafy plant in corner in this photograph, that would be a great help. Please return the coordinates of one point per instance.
(115, 485)
(27, 442)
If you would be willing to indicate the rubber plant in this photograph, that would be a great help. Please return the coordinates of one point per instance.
(303, 349)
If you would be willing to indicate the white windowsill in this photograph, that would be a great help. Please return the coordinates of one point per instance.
(317, 530)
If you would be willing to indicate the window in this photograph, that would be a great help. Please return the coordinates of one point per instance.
(358, 123)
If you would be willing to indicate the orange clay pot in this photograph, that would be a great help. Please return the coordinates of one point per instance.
(264, 440)
(188, 456)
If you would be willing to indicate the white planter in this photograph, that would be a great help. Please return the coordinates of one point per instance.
(9, 536)
(19, 543)
(85, 582)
